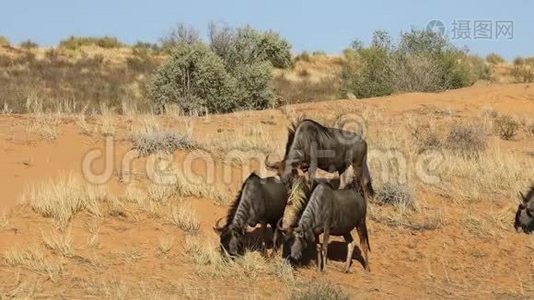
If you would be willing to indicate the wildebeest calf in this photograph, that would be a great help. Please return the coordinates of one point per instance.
(330, 212)
(260, 200)
(524, 216)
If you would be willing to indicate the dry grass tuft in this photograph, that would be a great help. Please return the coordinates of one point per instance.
(319, 291)
(4, 222)
(165, 244)
(33, 260)
(492, 173)
(201, 251)
(63, 198)
(399, 195)
(165, 142)
(59, 243)
(186, 188)
(185, 218)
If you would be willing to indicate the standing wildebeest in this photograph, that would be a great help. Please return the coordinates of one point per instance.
(524, 217)
(260, 200)
(330, 212)
(311, 146)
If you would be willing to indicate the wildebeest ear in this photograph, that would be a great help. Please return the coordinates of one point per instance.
(522, 206)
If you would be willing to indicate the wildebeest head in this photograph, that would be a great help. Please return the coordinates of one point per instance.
(285, 170)
(231, 239)
(524, 216)
(296, 240)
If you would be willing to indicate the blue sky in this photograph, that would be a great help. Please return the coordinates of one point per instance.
(308, 25)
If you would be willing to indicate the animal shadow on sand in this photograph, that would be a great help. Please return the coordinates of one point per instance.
(337, 251)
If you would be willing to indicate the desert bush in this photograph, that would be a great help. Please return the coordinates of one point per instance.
(366, 72)
(506, 126)
(467, 139)
(198, 80)
(180, 34)
(74, 43)
(195, 79)
(397, 194)
(245, 45)
(29, 44)
(421, 61)
(166, 142)
(319, 291)
(495, 59)
(426, 137)
(303, 56)
(4, 42)
(522, 72)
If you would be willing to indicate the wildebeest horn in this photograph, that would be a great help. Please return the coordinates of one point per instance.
(279, 225)
(272, 166)
(523, 197)
(217, 227)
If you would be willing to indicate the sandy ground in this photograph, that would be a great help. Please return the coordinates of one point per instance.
(450, 261)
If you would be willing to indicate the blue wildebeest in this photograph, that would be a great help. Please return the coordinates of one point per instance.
(330, 212)
(260, 200)
(524, 217)
(311, 146)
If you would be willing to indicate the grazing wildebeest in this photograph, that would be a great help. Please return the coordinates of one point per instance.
(311, 146)
(524, 217)
(260, 200)
(330, 212)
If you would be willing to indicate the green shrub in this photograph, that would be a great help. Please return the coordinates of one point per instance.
(74, 43)
(233, 73)
(246, 45)
(4, 42)
(495, 59)
(421, 61)
(182, 33)
(29, 44)
(195, 79)
(366, 72)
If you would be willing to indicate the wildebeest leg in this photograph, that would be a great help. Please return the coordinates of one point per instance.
(264, 238)
(276, 234)
(319, 253)
(326, 237)
(364, 244)
(350, 250)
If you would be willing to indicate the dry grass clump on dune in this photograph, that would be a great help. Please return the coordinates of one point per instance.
(34, 260)
(492, 173)
(61, 199)
(321, 290)
(185, 218)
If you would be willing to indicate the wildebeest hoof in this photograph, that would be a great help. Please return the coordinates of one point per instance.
(348, 271)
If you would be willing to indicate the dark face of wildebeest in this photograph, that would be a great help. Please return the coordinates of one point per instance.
(524, 216)
(231, 241)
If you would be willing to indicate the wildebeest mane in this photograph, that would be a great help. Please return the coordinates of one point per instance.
(292, 129)
(235, 204)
